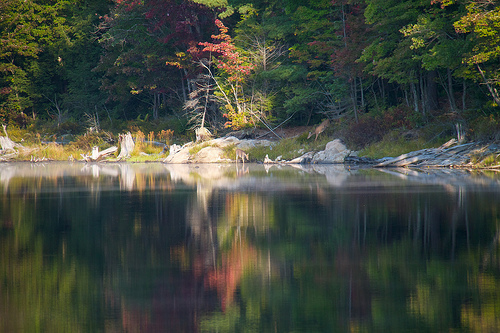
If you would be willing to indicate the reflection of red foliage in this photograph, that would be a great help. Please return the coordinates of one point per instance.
(179, 299)
(7, 224)
(174, 305)
(134, 320)
(226, 278)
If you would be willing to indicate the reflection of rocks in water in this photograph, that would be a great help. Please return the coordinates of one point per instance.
(202, 225)
(336, 174)
(443, 176)
(208, 174)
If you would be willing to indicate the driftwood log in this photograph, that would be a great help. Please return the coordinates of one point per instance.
(444, 156)
(97, 155)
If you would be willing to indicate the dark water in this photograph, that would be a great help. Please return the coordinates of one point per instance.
(213, 248)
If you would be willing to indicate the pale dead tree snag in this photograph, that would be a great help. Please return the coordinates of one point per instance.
(490, 84)
(200, 107)
(203, 134)
(460, 132)
(58, 113)
(266, 56)
(127, 146)
(6, 143)
(92, 121)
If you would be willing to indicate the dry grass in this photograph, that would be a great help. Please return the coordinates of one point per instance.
(51, 151)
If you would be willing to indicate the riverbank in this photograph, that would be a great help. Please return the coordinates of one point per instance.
(292, 147)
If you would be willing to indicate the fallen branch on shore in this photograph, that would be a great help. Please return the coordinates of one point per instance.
(97, 155)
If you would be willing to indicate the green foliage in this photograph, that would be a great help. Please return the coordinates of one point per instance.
(147, 154)
(288, 148)
(229, 151)
(286, 61)
(196, 148)
(373, 127)
(486, 128)
(488, 161)
(481, 25)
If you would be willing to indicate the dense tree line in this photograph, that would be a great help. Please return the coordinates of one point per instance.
(237, 63)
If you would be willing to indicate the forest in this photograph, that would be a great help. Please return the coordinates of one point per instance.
(370, 66)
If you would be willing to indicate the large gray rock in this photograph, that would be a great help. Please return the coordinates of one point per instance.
(247, 144)
(223, 142)
(179, 154)
(209, 155)
(335, 152)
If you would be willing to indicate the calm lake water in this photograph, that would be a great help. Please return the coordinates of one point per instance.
(219, 248)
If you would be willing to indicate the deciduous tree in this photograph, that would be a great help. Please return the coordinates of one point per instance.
(482, 26)
(233, 69)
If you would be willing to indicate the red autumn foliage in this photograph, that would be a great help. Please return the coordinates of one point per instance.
(228, 58)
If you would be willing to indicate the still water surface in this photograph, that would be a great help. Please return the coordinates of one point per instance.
(216, 248)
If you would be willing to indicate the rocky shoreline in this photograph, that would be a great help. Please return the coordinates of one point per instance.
(451, 154)
(212, 151)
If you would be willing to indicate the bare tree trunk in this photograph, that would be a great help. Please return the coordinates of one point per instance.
(406, 97)
(184, 94)
(354, 97)
(155, 105)
(381, 87)
(415, 97)
(451, 94)
(375, 97)
(464, 94)
(57, 106)
(422, 94)
(493, 91)
(362, 92)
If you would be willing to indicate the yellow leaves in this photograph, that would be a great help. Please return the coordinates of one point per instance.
(482, 22)
(173, 63)
(419, 32)
(417, 43)
(444, 3)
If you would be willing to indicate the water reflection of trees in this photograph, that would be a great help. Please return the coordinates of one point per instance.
(180, 250)
(384, 252)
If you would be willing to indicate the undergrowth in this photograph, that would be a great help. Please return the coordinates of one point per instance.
(287, 148)
(394, 144)
(487, 161)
